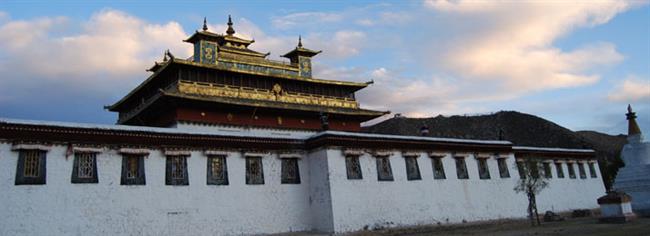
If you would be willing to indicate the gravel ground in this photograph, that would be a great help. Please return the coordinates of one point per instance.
(571, 226)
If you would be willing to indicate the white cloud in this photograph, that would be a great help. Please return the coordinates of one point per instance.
(111, 42)
(512, 44)
(106, 56)
(632, 89)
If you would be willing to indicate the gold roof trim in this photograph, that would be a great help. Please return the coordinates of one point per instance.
(306, 79)
(215, 90)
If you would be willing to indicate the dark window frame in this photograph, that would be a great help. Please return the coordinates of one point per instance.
(581, 170)
(504, 172)
(559, 170)
(250, 178)
(21, 177)
(548, 173)
(483, 168)
(572, 171)
(211, 179)
(384, 169)
(412, 172)
(461, 167)
(75, 177)
(521, 169)
(140, 178)
(592, 170)
(172, 163)
(436, 161)
(286, 164)
(352, 163)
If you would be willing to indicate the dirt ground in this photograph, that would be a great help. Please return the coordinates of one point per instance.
(575, 226)
(571, 226)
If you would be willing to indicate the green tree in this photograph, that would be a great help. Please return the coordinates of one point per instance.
(531, 183)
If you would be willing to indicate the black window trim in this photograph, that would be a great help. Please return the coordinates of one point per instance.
(210, 179)
(21, 179)
(141, 178)
(75, 179)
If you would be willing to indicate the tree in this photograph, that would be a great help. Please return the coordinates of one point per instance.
(531, 183)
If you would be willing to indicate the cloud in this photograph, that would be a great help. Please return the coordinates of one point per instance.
(512, 43)
(632, 89)
(111, 42)
(105, 55)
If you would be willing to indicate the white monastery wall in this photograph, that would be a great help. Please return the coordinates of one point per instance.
(325, 200)
(369, 203)
(108, 208)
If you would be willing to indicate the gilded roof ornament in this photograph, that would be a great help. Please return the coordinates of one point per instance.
(205, 24)
(230, 30)
(299, 41)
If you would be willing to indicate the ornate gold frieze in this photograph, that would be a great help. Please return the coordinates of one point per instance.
(208, 89)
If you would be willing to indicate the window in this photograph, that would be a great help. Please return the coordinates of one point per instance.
(412, 168)
(31, 167)
(254, 170)
(176, 170)
(84, 169)
(132, 170)
(592, 170)
(547, 170)
(559, 170)
(290, 171)
(483, 171)
(438, 168)
(581, 168)
(521, 169)
(217, 170)
(503, 168)
(534, 169)
(353, 168)
(572, 172)
(461, 168)
(384, 172)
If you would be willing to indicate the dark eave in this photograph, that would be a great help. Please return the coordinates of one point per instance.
(303, 51)
(553, 153)
(20, 131)
(116, 105)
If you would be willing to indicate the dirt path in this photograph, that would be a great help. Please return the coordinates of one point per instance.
(579, 226)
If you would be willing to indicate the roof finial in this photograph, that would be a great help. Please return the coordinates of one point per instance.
(230, 30)
(299, 41)
(165, 57)
(632, 127)
(629, 108)
(205, 24)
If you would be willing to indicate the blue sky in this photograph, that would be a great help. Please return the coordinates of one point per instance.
(575, 63)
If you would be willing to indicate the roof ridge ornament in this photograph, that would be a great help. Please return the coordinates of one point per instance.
(230, 30)
(205, 24)
(299, 41)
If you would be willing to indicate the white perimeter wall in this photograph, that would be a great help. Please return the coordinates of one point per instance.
(369, 203)
(108, 208)
(325, 200)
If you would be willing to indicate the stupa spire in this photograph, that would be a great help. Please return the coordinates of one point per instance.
(205, 24)
(230, 30)
(632, 126)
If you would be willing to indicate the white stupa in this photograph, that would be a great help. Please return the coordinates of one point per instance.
(634, 178)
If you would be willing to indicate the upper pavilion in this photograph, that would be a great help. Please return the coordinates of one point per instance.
(226, 83)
